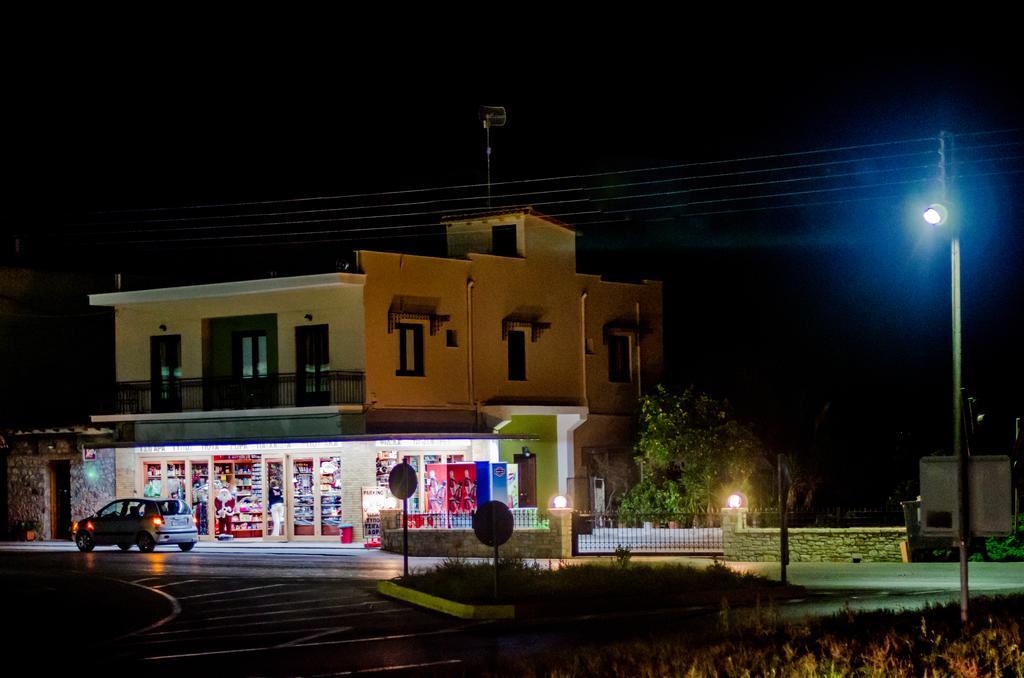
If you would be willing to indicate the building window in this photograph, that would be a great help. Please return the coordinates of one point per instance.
(165, 372)
(250, 355)
(410, 350)
(451, 340)
(618, 359)
(516, 355)
(503, 241)
(312, 365)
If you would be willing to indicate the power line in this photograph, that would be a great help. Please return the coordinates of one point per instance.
(824, 177)
(705, 163)
(784, 168)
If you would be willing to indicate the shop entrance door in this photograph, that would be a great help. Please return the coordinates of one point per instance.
(60, 494)
(275, 500)
(527, 479)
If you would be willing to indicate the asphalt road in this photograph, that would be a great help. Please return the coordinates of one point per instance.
(310, 611)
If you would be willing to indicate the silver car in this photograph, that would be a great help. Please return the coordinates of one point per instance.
(146, 523)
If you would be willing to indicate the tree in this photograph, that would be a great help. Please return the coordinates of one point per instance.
(692, 449)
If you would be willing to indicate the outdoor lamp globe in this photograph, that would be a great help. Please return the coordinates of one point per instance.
(935, 214)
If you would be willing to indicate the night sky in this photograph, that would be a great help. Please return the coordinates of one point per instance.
(827, 325)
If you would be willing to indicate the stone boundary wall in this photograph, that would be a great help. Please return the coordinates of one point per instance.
(29, 485)
(553, 542)
(810, 544)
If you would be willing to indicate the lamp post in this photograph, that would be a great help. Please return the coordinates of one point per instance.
(937, 215)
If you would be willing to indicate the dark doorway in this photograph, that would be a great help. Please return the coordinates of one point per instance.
(527, 479)
(312, 357)
(4, 512)
(60, 499)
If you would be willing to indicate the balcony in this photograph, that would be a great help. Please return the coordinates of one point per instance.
(229, 393)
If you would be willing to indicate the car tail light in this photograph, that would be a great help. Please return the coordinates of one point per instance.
(74, 527)
(157, 520)
(195, 521)
(89, 526)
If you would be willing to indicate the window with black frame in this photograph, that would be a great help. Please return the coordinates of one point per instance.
(618, 359)
(516, 355)
(312, 368)
(410, 350)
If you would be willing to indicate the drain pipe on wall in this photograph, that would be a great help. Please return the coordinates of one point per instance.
(639, 364)
(583, 347)
(469, 343)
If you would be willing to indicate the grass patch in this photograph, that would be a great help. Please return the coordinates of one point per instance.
(524, 583)
(921, 643)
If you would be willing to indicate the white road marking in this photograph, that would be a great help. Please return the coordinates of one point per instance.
(175, 611)
(265, 595)
(232, 592)
(202, 635)
(294, 601)
(328, 632)
(301, 609)
(348, 641)
(269, 621)
(177, 583)
(393, 667)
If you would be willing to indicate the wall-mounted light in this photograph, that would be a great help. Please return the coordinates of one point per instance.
(163, 328)
(560, 502)
(309, 317)
(526, 451)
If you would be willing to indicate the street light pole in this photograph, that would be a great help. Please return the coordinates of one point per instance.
(963, 499)
(936, 215)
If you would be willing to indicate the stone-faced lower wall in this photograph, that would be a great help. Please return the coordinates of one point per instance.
(29, 485)
(554, 542)
(837, 545)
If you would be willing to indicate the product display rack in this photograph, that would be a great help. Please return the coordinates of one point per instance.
(303, 518)
(330, 497)
(200, 496)
(245, 477)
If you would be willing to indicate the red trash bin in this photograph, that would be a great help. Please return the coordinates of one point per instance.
(346, 534)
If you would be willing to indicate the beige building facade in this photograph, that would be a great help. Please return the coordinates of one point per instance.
(499, 352)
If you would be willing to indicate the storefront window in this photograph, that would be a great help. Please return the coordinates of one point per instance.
(275, 498)
(154, 479)
(176, 480)
(330, 496)
(238, 500)
(302, 489)
(201, 495)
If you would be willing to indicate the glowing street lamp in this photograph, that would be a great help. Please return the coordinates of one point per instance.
(936, 214)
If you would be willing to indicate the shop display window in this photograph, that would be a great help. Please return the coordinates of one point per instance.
(330, 496)
(201, 495)
(154, 476)
(176, 480)
(302, 488)
(238, 500)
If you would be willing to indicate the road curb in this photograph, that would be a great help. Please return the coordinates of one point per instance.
(443, 605)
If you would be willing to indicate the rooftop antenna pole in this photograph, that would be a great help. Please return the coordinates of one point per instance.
(491, 116)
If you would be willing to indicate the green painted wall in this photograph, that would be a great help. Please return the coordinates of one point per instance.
(221, 330)
(546, 450)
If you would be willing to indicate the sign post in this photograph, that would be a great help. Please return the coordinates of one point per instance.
(402, 481)
(493, 525)
(784, 483)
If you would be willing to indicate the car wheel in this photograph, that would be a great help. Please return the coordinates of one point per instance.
(124, 547)
(187, 547)
(145, 542)
(84, 542)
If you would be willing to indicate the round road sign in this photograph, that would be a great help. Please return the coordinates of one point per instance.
(402, 481)
(493, 523)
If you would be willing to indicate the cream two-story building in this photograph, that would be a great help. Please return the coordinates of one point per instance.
(312, 387)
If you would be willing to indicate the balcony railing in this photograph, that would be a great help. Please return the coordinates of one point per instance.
(229, 393)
